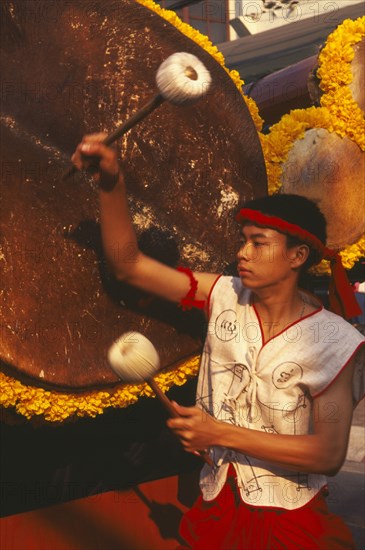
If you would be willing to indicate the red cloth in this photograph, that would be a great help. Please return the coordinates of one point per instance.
(229, 524)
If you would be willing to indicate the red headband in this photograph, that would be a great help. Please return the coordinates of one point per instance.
(341, 296)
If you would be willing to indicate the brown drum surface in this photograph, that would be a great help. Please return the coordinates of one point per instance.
(76, 67)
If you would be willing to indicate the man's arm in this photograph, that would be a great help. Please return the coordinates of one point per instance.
(323, 452)
(120, 246)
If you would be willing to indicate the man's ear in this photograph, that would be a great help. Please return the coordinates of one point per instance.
(301, 255)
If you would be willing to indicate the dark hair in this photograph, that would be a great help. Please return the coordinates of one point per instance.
(298, 210)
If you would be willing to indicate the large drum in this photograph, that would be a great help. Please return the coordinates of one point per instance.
(75, 67)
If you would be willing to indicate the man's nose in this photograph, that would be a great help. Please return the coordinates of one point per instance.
(242, 252)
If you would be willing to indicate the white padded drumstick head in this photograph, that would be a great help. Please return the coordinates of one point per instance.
(182, 78)
(133, 358)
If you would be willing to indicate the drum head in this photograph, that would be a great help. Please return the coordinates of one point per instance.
(329, 170)
(78, 67)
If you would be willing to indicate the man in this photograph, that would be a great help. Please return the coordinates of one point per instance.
(279, 375)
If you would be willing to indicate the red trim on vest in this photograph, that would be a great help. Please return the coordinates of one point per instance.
(210, 294)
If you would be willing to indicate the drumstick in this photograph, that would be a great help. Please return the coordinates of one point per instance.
(173, 413)
(181, 78)
(134, 359)
(155, 102)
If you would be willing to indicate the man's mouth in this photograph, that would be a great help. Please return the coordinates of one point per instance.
(242, 270)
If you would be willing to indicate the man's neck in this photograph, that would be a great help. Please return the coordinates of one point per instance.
(281, 307)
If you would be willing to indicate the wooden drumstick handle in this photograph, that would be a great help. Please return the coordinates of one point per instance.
(173, 413)
(162, 397)
(127, 125)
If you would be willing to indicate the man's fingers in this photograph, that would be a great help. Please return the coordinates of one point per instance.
(183, 411)
(76, 160)
(94, 138)
(92, 144)
(177, 424)
(98, 159)
(91, 154)
(95, 149)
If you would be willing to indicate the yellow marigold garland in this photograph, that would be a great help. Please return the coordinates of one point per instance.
(276, 147)
(54, 406)
(204, 42)
(339, 113)
(349, 256)
(335, 74)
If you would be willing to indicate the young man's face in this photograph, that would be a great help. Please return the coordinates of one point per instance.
(264, 258)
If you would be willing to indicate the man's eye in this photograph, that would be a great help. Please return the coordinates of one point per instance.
(257, 244)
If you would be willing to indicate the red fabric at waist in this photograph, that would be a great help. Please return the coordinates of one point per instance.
(227, 523)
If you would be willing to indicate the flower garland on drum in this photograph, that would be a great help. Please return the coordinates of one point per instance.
(335, 75)
(57, 406)
(338, 113)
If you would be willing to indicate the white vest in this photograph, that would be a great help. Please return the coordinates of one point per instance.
(269, 388)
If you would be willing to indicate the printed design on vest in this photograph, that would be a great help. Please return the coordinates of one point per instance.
(302, 481)
(286, 374)
(299, 482)
(255, 485)
(240, 375)
(237, 381)
(235, 399)
(290, 412)
(252, 485)
(226, 325)
(203, 402)
(269, 429)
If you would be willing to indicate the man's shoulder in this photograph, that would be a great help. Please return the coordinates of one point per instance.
(230, 285)
(326, 316)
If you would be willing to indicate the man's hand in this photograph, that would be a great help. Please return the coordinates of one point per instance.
(196, 429)
(320, 452)
(100, 160)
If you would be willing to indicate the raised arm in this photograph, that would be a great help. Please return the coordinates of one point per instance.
(119, 239)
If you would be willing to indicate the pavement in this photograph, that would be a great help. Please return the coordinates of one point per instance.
(347, 488)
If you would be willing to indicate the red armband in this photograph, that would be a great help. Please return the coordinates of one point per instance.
(188, 302)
